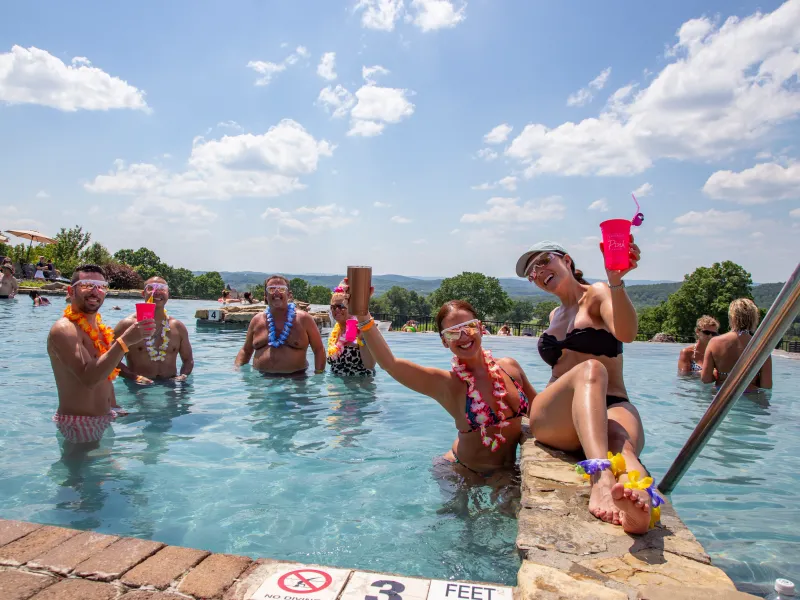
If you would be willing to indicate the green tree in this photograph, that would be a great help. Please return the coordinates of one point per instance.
(541, 312)
(521, 311)
(299, 288)
(208, 285)
(319, 294)
(651, 320)
(96, 254)
(484, 293)
(707, 291)
(400, 301)
(66, 252)
(145, 261)
(181, 282)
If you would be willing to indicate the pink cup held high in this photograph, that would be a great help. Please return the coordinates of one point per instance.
(145, 310)
(616, 243)
(351, 330)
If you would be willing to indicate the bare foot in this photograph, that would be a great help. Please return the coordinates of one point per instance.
(601, 503)
(633, 507)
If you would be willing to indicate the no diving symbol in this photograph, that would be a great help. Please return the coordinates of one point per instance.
(304, 581)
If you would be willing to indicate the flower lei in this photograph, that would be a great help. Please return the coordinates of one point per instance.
(159, 354)
(102, 337)
(336, 343)
(277, 342)
(483, 412)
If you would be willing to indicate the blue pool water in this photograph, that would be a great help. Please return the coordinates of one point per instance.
(340, 474)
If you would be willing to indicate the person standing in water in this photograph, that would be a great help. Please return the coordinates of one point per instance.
(8, 283)
(584, 342)
(156, 358)
(690, 360)
(346, 358)
(84, 354)
(280, 336)
(724, 351)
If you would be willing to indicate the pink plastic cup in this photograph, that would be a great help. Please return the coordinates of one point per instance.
(145, 310)
(616, 243)
(351, 330)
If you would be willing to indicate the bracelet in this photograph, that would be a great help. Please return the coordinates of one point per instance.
(621, 284)
(319, 371)
(367, 326)
(123, 345)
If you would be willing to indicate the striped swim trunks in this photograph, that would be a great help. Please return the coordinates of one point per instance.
(80, 429)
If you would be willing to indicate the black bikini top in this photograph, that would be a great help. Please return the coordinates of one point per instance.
(587, 340)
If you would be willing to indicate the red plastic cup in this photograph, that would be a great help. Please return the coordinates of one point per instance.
(616, 243)
(145, 310)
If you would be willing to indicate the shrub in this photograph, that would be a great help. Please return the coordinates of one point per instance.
(123, 277)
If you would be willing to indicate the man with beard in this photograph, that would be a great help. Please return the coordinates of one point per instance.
(84, 356)
(281, 335)
(156, 358)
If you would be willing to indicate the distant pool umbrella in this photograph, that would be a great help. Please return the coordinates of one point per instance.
(33, 236)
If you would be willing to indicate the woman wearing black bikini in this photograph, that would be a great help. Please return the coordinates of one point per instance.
(584, 343)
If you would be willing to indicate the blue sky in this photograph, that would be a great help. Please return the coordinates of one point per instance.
(440, 136)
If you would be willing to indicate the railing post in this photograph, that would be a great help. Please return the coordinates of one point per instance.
(780, 316)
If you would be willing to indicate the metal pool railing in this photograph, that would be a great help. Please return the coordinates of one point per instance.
(776, 322)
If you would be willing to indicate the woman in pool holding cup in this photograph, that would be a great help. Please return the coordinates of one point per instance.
(584, 341)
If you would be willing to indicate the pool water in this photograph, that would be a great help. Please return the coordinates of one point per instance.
(340, 473)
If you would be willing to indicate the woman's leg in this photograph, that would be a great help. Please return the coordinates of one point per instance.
(570, 414)
(626, 436)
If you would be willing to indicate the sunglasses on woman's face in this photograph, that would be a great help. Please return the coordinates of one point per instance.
(451, 334)
(708, 332)
(338, 307)
(540, 262)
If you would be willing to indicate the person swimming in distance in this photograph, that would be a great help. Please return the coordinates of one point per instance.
(583, 346)
(8, 283)
(346, 358)
(156, 358)
(690, 359)
(278, 338)
(724, 351)
(505, 330)
(84, 355)
(248, 298)
(38, 299)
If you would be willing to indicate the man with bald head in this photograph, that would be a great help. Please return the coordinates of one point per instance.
(156, 358)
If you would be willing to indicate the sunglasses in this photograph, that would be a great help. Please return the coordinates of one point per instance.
(86, 285)
(277, 288)
(451, 334)
(540, 262)
(154, 287)
(711, 333)
(338, 307)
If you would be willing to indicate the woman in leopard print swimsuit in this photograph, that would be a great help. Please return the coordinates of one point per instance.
(346, 359)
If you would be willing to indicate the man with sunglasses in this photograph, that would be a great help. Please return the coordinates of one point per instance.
(8, 283)
(156, 358)
(278, 338)
(85, 355)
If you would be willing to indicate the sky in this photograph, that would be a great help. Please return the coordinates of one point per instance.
(421, 137)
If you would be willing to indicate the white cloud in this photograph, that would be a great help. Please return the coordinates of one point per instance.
(171, 211)
(303, 52)
(366, 128)
(42, 194)
(599, 205)
(268, 70)
(400, 220)
(487, 154)
(308, 220)
(336, 100)
(34, 76)
(369, 73)
(455, 231)
(795, 213)
(726, 87)
(756, 235)
(510, 211)
(223, 125)
(376, 106)
(711, 222)
(245, 165)
(763, 183)
(643, 190)
(498, 135)
(509, 183)
(327, 66)
(586, 95)
(437, 14)
(484, 186)
(381, 205)
(380, 14)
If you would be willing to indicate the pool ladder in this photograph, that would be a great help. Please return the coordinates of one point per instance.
(780, 316)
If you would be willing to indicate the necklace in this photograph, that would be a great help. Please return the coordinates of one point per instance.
(336, 343)
(483, 412)
(102, 337)
(159, 354)
(277, 342)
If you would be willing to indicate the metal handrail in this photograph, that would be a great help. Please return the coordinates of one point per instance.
(780, 316)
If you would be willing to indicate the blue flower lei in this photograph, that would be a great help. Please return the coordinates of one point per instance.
(287, 327)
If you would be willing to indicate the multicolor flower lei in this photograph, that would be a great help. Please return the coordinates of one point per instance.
(159, 354)
(483, 412)
(277, 342)
(102, 337)
(336, 342)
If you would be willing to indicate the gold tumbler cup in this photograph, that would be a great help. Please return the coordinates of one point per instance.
(360, 281)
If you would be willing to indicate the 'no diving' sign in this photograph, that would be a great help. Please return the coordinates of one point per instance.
(301, 583)
(304, 581)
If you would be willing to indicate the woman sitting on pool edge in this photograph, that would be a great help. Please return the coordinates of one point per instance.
(346, 358)
(690, 360)
(583, 345)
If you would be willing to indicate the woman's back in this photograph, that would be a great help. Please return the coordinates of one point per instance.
(724, 352)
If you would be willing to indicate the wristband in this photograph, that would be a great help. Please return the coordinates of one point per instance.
(122, 345)
(319, 371)
(621, 284)
(370, 324)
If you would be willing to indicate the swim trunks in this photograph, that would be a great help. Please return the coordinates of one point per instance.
(80, 429)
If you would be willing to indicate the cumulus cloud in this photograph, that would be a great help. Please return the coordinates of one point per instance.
(171, 211)
(376, 106)
(268, 70)
(400, 220)
(795, 213)
(427, 15)
(34, 76)
(509, 211)
(763, 183)
(369, 73)
(487, 154)
(246, 165)
(643, 190)
(725, 87)
(437, 14)
(711, 222)
(380, 14)
(508, 183)
(223, 125)
(327, 66)
(309, 220)
(498, 135)
(599, 205)
(585, 95)
(336, 100)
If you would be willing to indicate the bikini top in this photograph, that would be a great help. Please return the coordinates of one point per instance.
(521, 411)
(587, 340)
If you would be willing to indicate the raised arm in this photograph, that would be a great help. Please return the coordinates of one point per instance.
(185, 351)
(246, 353)
(616, 308)
(315, 339)
(366, 357)
(436, 383)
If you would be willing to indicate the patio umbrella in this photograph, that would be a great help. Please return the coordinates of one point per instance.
(33, 236)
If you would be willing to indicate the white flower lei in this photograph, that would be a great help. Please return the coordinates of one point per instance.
(159, 354)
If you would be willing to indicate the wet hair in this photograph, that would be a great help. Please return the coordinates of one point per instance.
(87, 269)
(451, 307)
(33, 294)
(225, 293)
(743, 315)
(281, 277)
(705, 322)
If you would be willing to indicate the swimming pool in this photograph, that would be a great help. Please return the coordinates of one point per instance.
(323, 471)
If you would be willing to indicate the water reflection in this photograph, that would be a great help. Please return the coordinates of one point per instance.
(350, 400)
